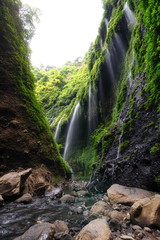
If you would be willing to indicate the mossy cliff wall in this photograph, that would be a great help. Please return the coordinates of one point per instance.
(129, 147)
(25, 136)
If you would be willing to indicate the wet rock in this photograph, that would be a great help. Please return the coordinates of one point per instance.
(53, 192)
(67, 198)
(97, 229)
(39, 231)
(99, 208)
(78, 210)
(26, 198)
(60, 226)
(126, 195)
(1, 200)
(11, 183)
(146, 212)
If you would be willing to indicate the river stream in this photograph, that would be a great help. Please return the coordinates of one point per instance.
(16, 218)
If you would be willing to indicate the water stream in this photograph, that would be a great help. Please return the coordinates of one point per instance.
(57, 132)
(92, 109)
(130, 17)
(71, 131)
(17, 218)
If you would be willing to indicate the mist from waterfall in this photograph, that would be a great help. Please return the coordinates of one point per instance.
(71, 130)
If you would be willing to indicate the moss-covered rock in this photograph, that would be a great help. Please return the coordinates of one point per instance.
(25, 136)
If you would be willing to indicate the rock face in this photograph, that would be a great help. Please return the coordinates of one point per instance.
(11, 183)
(127, 195)
(146, 212)
(25, 137)
(39, 231)
(97, 229)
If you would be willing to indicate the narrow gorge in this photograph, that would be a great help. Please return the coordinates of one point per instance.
(82, 130)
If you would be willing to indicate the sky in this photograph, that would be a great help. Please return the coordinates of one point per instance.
(65, 31)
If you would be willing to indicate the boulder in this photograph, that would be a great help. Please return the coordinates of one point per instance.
(11, 183)
(99, 208)
(38, 181)
(62, 236)
(113, 214)
(39, 231)
(60, 226)
(67, 198)
(26, 198)
(97, 229)
(126, 195)
(82, 193)
(146, 212)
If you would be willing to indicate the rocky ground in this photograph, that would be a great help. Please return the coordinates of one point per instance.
(122, 213)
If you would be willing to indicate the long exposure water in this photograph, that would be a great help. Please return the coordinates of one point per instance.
(16, 218)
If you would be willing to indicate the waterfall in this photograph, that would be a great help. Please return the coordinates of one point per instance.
(92, 109)
(57, 132)
(71, 130)
(110, 66)
(119, 142)
(119, 44)
(130, 17)
(106, 23)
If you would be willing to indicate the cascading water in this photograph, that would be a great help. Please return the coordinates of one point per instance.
(119, 44)
(92, 109)
(71, 130)
(106, 23)
(57, 132)
(110, 66)
(130, 17)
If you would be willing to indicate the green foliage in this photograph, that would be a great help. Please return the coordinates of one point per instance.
(123, 145)
(16, 76)
(155, 148)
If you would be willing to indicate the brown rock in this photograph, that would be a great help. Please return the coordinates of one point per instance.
(115, 215)
(11, 183)
(99, 208)
(128, 195)
(60, 226)
(146, 212)
(67, 198)
(97, 229)
(39, 231)
(26, 198)
(38, 181)
(62, 236)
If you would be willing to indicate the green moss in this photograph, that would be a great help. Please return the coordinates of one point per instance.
(123, 145)
(155, 149)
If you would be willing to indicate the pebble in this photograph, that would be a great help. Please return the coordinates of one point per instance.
(136, 227)
(147, 229)
(126, 237)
